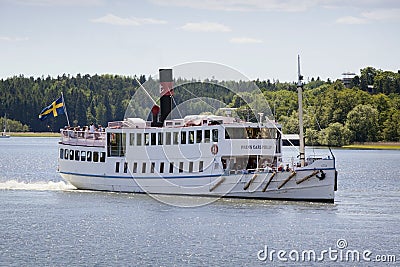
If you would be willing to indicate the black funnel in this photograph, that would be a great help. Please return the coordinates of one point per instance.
(166, 92)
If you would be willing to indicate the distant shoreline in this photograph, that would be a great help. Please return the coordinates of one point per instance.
(34, 134)
(375, 145)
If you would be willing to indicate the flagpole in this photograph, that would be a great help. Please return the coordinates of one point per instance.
(65, 108)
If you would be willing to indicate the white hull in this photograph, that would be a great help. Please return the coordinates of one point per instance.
(252, 185)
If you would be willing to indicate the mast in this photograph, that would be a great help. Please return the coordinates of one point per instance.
(300, 111)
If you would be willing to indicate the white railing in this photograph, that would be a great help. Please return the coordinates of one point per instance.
(83, 138)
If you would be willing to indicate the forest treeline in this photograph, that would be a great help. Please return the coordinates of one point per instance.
(368, 109)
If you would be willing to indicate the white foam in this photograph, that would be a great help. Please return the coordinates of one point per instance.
(41, 186)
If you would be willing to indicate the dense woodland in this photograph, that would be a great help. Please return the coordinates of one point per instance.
(367, 111)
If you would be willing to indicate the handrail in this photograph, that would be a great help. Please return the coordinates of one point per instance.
(83, 138)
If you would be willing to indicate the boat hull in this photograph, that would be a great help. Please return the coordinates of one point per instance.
(307, 184)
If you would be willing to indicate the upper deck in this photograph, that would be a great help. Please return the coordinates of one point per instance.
(234, 129)
(83, 138)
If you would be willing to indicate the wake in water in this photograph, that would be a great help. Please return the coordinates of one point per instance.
(41, 186)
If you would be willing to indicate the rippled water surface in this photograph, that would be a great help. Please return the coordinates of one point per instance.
(45, 222)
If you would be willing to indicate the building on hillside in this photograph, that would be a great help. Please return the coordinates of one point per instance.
(347, 78)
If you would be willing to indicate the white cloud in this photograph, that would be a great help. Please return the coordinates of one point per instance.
(205, 27)
(240, 5)
(13, 39)
(60, 2)
(361, 4)
(382, 14)
(132, 21)
(245, 40)
(370, 16)
(351, 20)
(278, 5)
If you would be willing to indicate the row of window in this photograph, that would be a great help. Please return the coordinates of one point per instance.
(160, 167)
(173, 138)
(250, 133)
(80, 155)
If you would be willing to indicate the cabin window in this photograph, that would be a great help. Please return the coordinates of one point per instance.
(152, 167)
(83, 155)
(77, 154)
(116, 144)
(171, 167)
(61, 153)
(235, 133)
(176, 138)
(201, 163)
(134, 169)
(190, 166)
(96, 156)
(199, 136)
(139, 139)
(117, 166)
(66, 154)
(181, 167)
(146, 139)
(71, 155)
(215, 135)
(132, 139)
(102, 156)
(160, 138)
(125, 167)
(161, 167)
(183, 137)
(89, 156)
(191, 137)
(153, 139)
(251, 133)
(143, 167)
(267, 133)
(168, 138)
(207, 136)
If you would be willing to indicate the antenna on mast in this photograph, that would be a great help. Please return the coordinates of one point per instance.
(300, 77)
(300, 103)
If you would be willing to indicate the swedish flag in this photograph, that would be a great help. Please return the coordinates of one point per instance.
(53, 110)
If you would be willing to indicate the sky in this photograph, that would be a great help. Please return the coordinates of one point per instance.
(259, 38)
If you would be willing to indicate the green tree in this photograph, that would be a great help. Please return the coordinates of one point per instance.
(387, 82)
(367, 77)
(391, 127)
(362, 121)
(311, 137)
(290, 124)
(336, 134)
(101, 114)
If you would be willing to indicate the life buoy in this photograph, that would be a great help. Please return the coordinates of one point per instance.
(214, 149)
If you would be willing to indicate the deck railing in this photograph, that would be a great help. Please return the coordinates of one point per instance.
(83, 138)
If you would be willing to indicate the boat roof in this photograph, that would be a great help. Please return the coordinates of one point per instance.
(191, 120)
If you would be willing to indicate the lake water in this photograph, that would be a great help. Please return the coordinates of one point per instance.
(45, 222)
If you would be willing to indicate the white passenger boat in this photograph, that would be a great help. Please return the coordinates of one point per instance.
(4, 132)
(197, 155)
